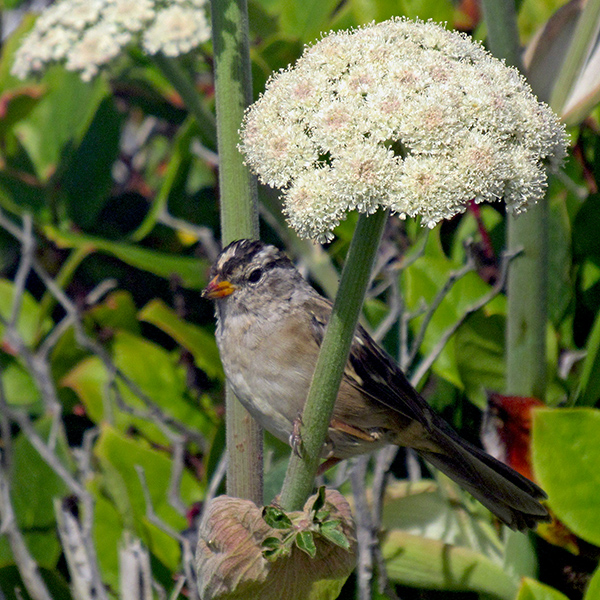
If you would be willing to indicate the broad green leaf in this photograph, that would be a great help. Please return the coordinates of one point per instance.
(586, 242)
(29, 313)
(89, 381)
(306, 19)
(17, 104)
(87, 180)
(423, 509)
(593, 589)
(560, 286)
(332, 531)
(520, 555)
(118, 457)
(194, 339)
(13, 588)
(306, 542)
(422, 281)
(441, 10)
(588, 392)
(566, 455)
(479, 352)
(108, 531)
(156, 375)
(34, 486)
(534, 590)
(19, 387)
(430, 564)
(60, 119)
(117, 311)
(190, 272)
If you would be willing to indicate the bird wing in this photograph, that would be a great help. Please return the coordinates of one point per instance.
(373, 372)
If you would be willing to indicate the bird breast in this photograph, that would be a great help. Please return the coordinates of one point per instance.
(269, 364)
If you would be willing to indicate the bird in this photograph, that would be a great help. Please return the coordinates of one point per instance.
(270, 325)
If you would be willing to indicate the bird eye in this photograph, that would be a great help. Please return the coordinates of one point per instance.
(255, 275)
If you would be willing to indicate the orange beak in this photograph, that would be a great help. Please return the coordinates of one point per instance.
(218, 289)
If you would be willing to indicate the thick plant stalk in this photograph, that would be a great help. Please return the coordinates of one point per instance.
(332, 359)
(239, 215)
(528, 273)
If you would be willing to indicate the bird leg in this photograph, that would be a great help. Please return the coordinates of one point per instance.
(296, 436)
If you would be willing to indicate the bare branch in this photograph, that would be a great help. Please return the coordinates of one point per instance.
(28, 248)
(426, 363)
(203, 234)
(85, 581)
(46, 453)
(187, 554)
(365, 535)
(135, 578)
(177, 467)
(453, 277)
(28, 567)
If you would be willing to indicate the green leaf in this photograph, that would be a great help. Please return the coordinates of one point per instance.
(588, 391)
(274, 549)
(534, 590)
(306, 542)
(190, 272)
(566, 455)
(88, 380)
(158, 376)
(479, 352)
(194, 339)
(593, 589)
(276, 518)
(88, 168)
(34, 486)
(17, 104)
(332, 531)
(319, 502)
(306, 19)
(560, 286)
(60, 119)
(118, 311)
(29, 313)
(431, 564)
(422, 281)
(19, 387)
(118, 457)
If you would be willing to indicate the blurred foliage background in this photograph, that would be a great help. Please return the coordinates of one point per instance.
(112, 390)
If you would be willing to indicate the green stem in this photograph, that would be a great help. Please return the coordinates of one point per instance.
(239, 215)
(503, 34)
(180, 80)
(332, 359)
(582, 38)
(527, 303)
(528, 273)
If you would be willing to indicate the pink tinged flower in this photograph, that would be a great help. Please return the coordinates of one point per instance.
(400, 115)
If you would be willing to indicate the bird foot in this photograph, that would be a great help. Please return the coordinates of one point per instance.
(295, 440)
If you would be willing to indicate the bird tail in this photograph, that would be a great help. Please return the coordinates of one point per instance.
(507, 494)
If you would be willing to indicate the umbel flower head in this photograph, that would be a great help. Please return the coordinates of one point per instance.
(86, 35)
(401, 115)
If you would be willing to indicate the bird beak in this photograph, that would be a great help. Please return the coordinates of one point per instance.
(218, 289)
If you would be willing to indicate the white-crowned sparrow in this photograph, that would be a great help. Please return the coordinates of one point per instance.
(270, 324)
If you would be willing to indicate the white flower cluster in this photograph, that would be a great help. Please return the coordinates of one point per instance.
(402, 115)
(87, 34)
